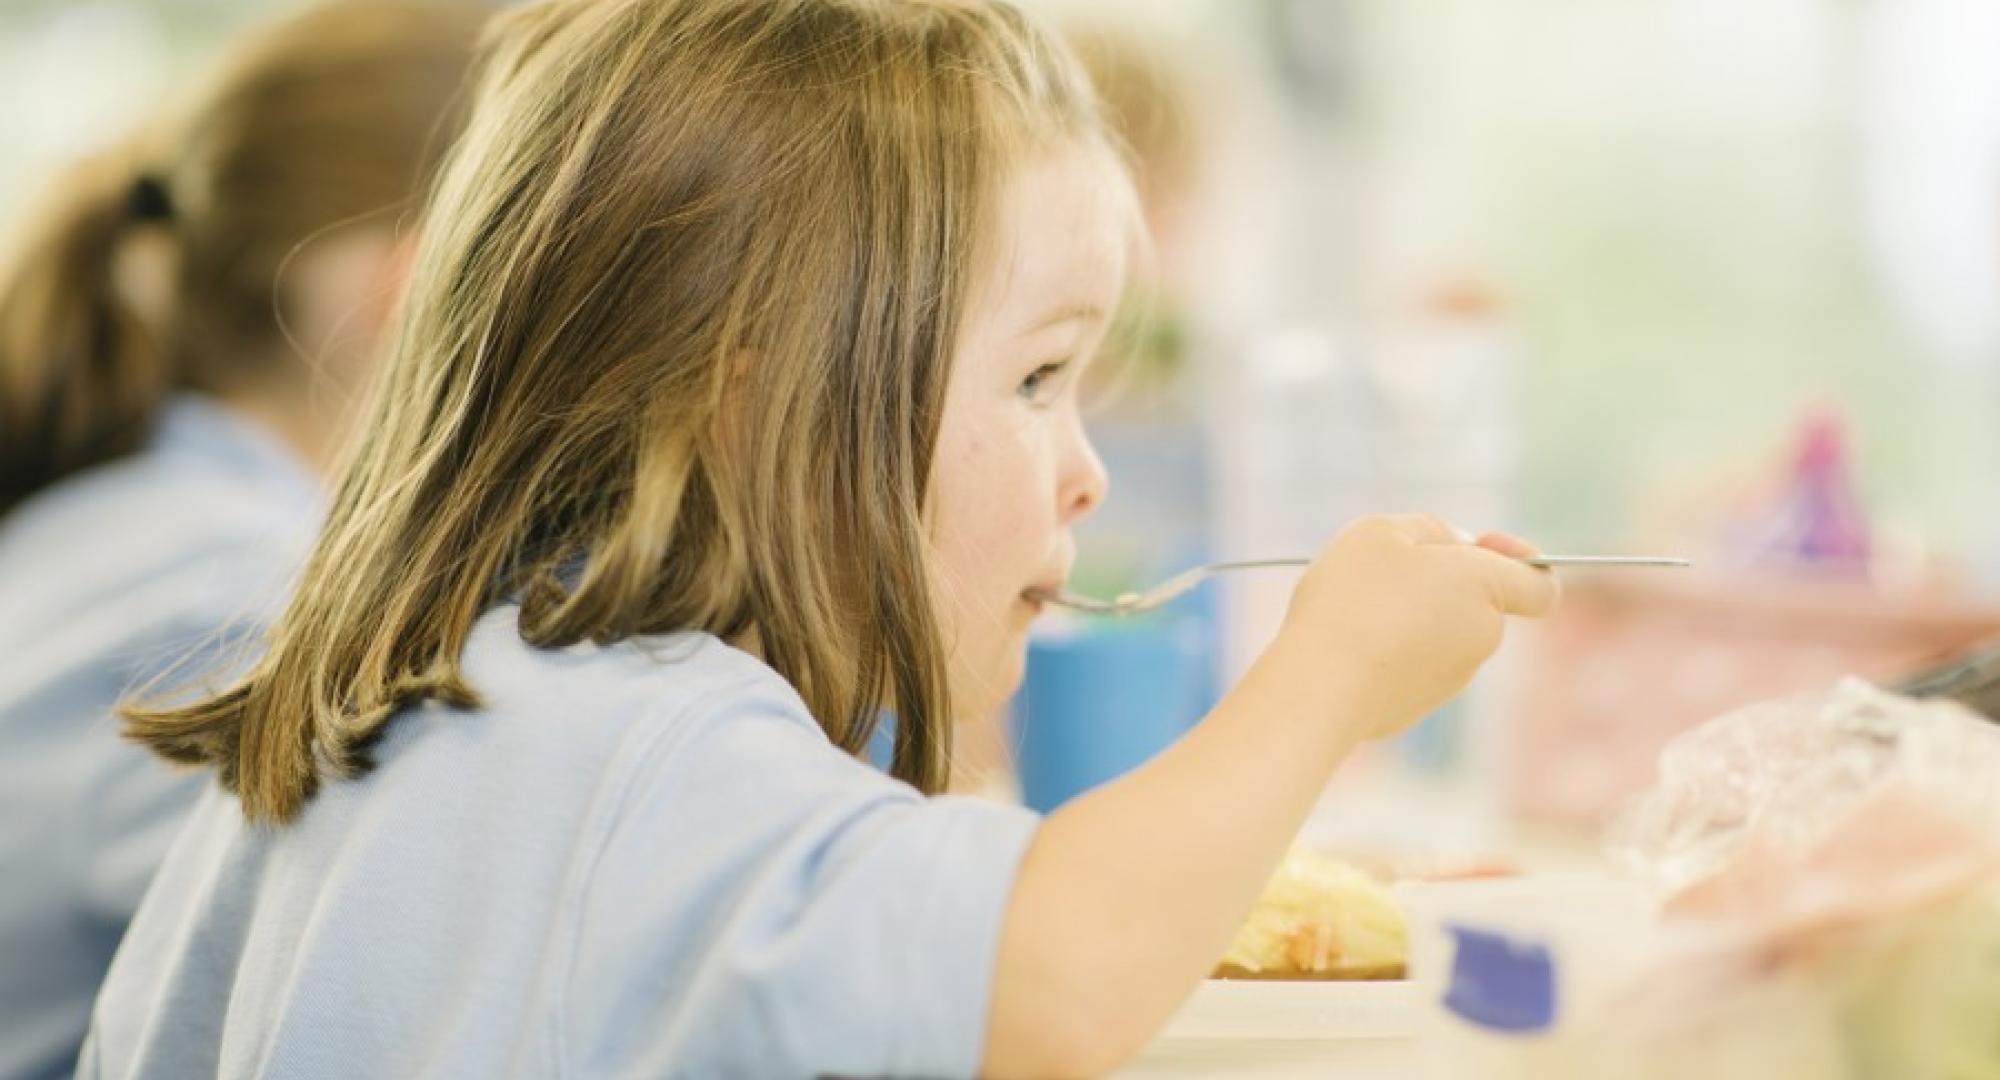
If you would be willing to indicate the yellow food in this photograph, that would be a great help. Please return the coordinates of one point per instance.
(1319, 918)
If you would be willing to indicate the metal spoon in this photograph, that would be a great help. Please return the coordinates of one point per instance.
(1133, 603)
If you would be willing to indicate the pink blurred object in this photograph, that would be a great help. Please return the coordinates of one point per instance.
(1821, 522)
(1631, 661)
(1804, 515)
(1896, 851)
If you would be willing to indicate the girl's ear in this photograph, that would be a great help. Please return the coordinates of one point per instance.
(343, 295)
(396, 269)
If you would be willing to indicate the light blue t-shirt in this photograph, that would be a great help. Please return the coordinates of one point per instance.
(642, 859)
(110, 580)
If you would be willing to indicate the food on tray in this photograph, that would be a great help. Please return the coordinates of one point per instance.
(1319, 918)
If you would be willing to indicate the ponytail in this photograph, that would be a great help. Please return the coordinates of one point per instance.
(334, 115)
(82, 373)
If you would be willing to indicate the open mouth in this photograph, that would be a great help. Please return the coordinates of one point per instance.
(1039, 594)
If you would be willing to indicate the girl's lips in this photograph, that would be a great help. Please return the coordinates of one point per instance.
(1037, 593)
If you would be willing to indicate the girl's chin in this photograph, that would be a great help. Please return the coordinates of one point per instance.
(996, 686)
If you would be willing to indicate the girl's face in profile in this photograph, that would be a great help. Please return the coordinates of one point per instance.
(1014, 469)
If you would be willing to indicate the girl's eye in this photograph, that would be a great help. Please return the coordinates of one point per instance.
(1041, 383)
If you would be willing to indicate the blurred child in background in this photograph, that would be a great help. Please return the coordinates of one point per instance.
(184, 322)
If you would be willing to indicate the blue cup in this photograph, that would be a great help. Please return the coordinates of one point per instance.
(1100, 698)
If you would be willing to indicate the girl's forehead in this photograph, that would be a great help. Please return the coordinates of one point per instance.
(1062, 224)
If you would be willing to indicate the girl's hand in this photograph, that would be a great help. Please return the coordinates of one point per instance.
(1405, 609)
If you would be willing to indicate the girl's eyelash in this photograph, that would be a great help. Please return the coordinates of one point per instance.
(1031, 385)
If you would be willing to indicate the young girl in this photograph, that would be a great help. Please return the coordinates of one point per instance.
(178, 330)
(736, 403)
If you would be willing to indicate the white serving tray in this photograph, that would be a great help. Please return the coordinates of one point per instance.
(1250, 1009)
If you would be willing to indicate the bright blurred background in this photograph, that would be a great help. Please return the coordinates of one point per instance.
(1711, 278)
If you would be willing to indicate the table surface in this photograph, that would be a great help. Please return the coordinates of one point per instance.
(1276, 1059)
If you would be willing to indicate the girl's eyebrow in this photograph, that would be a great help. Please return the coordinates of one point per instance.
(1066, 313)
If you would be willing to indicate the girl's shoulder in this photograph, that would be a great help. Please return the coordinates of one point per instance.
(680, 679)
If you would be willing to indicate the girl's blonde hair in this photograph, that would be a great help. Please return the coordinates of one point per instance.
(674, 358)
(335, 116)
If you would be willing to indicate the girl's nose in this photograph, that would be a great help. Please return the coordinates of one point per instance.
(1084, 481)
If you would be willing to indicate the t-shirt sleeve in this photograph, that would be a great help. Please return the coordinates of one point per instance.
(764, 905)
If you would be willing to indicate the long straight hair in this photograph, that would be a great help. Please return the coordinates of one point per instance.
(674, 358)
(334, 116)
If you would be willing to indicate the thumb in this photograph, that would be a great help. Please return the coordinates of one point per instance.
(1516, 587)
(1507, 544)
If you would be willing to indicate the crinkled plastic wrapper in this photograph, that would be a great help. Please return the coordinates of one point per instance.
(1830, 871)
(1790, 771)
